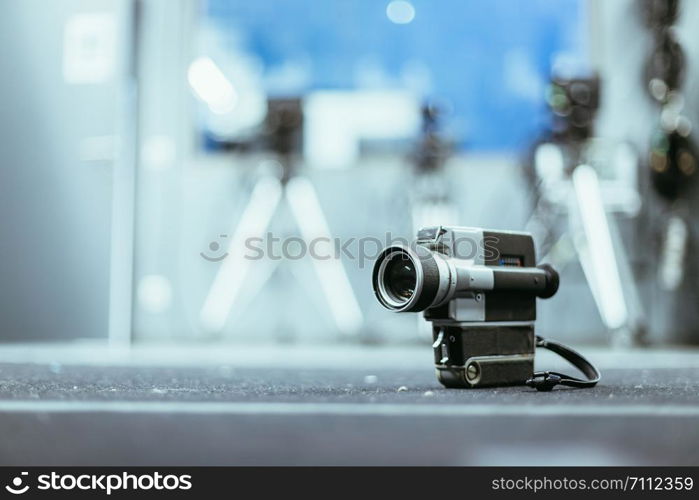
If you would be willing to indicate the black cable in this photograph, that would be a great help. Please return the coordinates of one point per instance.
(546, 381)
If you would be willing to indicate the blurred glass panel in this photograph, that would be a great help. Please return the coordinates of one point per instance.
(319, 117)
(489, 63)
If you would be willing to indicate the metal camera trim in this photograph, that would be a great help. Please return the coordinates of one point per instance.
(435, 278)
(382, 293)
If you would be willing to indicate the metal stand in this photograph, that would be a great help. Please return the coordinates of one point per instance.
(569, 187)
(270, 196)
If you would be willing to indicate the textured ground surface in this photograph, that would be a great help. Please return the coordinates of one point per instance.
(333, 406)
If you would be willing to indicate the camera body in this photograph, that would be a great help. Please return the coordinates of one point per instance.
(478, 288)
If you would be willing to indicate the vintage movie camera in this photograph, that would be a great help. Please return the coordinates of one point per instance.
(478, 288)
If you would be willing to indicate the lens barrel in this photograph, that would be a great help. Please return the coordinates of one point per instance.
(409, 279)
(406, 279)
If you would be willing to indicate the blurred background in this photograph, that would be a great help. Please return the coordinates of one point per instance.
(193, 192)
(146, 143)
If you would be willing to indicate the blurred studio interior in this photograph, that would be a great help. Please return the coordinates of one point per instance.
(146, 143)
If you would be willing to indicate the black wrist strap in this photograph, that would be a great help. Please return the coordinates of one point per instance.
(545, 381)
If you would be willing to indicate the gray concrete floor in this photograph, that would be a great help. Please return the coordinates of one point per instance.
(82, 404)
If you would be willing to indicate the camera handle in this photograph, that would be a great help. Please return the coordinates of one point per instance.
(545, 381)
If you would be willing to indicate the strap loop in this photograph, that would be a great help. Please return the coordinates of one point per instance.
(546, 381)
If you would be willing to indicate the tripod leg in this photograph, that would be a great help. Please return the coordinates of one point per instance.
(334, 281)
(264, 269)
(598, 256)
(229, 280)
(637, 322)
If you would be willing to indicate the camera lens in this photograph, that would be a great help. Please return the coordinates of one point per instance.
(400, 278)
(405, 279)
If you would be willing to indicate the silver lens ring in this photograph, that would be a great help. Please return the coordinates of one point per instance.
(383, 290)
